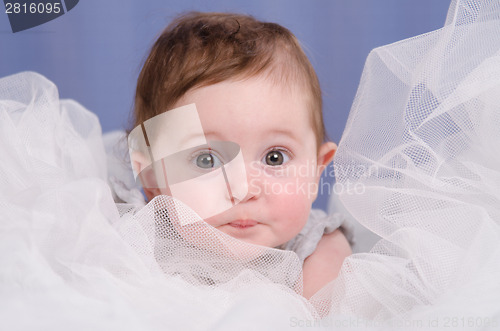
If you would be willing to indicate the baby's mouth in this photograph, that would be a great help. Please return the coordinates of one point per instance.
(243, 224)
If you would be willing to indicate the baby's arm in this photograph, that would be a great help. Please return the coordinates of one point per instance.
(323, 265)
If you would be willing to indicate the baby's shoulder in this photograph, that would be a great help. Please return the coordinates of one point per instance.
(318, 226)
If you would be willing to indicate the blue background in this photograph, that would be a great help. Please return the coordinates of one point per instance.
(94, 52)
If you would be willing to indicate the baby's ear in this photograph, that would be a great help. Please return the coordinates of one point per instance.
(139, 161)
(147, 178)
(325, 155)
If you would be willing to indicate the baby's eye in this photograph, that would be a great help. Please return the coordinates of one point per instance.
(207, 160)
(276, 158)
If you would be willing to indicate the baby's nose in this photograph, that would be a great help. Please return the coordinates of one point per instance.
(253, 181)
(236, 179)
(248, 185)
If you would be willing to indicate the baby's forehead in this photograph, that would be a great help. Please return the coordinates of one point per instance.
(248, 98)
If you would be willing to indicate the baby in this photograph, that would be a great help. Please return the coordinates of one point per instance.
(248, 83)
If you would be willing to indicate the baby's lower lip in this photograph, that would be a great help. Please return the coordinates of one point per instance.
(242, 224)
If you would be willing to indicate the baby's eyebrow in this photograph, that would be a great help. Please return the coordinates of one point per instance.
(189, 137)
(197, 136)
(214, 135)
(285, 132)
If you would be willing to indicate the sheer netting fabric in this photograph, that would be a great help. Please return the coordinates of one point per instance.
(420, 163)
(420, 167)
(72, 258)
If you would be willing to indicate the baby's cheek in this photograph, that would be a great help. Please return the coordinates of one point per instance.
(292, 203)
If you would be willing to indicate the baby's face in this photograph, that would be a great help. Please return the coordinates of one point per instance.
(272, 126)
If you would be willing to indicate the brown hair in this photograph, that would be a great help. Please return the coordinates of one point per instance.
(200, 49)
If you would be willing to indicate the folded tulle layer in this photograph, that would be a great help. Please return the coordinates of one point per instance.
(421, 149)
(419, 153)
(72, 256)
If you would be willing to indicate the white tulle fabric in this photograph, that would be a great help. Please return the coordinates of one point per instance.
(419, 161)
(421, 155)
